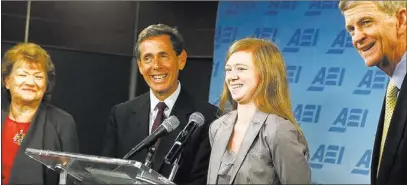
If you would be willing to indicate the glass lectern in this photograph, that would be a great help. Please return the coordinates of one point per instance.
(89, 169)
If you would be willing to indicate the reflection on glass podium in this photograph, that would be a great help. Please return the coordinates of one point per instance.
(89, 169)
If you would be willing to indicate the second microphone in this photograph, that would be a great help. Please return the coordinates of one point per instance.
(196, 120)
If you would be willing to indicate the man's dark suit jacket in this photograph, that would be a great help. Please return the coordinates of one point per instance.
(129, 125)
(51, 129)
(393, 166)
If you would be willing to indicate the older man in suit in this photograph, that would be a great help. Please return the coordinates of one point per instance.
(378, 30)
(161, 55)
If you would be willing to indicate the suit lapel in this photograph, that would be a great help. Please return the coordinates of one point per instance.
(33, 139)
(250, 135)
(395, 133)
(182, 110)
(220, 144)
(376, 147)
(139, 121)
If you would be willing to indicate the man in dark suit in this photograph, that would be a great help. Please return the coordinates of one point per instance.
(160, 56)
(378, 30)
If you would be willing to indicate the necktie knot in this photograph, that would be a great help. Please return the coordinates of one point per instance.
(391, 90)
(161, 106)
(160, 115)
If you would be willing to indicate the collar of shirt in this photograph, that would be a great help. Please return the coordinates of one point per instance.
(170, 101)
(399, 72)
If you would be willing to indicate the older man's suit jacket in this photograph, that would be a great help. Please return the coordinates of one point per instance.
(129, 125)
(393, 166)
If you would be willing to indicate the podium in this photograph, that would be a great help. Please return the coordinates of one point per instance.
(89, 169)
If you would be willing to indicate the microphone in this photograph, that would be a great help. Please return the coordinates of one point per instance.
(166, 127)
(195, 121)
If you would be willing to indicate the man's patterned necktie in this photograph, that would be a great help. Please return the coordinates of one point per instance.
(391, 98)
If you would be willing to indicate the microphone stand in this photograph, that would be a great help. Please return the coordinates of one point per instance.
(175, 167)
(150, 154)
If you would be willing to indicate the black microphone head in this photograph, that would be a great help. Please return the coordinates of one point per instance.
(197, 118)
(170, 123)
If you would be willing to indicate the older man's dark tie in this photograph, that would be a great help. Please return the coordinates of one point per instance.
(157, 122)
(160, 116)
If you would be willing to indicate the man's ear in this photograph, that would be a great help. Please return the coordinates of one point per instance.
(182, 60)
(401, 21)
(139, 67)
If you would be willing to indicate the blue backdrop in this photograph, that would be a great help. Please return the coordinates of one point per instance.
(335, 97)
